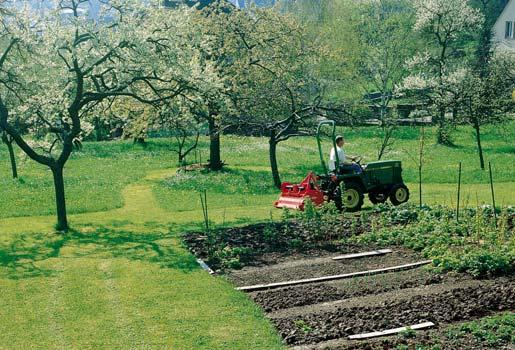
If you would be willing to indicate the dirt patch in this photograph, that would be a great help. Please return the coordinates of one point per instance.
(431, 339)
(293, 268)
(270, 243)
(446, 307)
(283, 298)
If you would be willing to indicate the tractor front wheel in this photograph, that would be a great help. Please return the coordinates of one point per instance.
(399, 194)
(352, 197)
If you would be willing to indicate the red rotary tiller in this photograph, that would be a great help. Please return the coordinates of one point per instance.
(293, 196)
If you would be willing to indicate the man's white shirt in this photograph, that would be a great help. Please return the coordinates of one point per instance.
(332, 158)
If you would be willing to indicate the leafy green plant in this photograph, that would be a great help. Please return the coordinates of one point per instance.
(303, 326)
(233, 257)
(271, 235)
(494, 331)
(408, 333)
(295, 244)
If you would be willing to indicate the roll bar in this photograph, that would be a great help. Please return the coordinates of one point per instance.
(319, 142)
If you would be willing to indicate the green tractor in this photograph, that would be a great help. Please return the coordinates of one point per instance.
(346, 187)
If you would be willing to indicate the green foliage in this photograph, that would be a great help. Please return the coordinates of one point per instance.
(494, 331)
(303, 326)
(473, 245)
(232, 258)
(228, 181)
(321, 221)
(408, 333)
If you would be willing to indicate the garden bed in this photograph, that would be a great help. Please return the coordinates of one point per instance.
(322, 315)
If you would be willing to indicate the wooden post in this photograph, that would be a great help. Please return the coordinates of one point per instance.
(420, 161)
(203, 201)
(492, 189)
(459, 189)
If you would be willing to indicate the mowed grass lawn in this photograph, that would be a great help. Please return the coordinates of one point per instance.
(122, 278)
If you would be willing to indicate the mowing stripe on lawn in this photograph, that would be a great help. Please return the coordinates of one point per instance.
(115, 303)
(333, 277)
(55, 320)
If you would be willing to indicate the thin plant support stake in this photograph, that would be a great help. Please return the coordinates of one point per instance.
(459, 189)
(420, 162)
(492, 188)
(203, 201)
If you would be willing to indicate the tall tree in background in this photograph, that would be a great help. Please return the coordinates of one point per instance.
(487, 94)
(278, 88)
(443, 24)
(337, 30)
(487, 91)
(180, 119)
(385, 35)
(213, 96)
(369, 43)
(5, 48)
(384, 31)
(79, 64)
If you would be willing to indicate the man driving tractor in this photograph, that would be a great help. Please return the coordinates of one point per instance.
(345, 181)
(344, 165)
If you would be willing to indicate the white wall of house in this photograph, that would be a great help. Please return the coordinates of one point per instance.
(504, 29)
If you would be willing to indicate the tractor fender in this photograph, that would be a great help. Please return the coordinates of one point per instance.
(355, 180)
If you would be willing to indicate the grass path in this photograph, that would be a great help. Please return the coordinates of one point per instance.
(121, 280)
(140, 207)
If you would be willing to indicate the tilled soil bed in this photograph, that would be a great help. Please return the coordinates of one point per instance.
(296, 267)
(446, 306)
(322, 315)
(288, 297)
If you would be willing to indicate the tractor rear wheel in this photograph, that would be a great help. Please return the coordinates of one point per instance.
(378, 197)
(352, 197)
(399, 194)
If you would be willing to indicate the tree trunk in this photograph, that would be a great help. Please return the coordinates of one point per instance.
(215, 162)
(139, 141)
(443, 133)
(386, 143)
(478, 140)
(272, 151)
(60, 200)
(9, 143)
(13, 160)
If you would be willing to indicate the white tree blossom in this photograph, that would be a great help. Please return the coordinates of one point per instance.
(438, 72)
(450, 16)
(59, 66)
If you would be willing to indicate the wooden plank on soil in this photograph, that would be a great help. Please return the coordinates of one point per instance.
(390, 331)
(205, 266)
(333, 277)
(363, 255)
